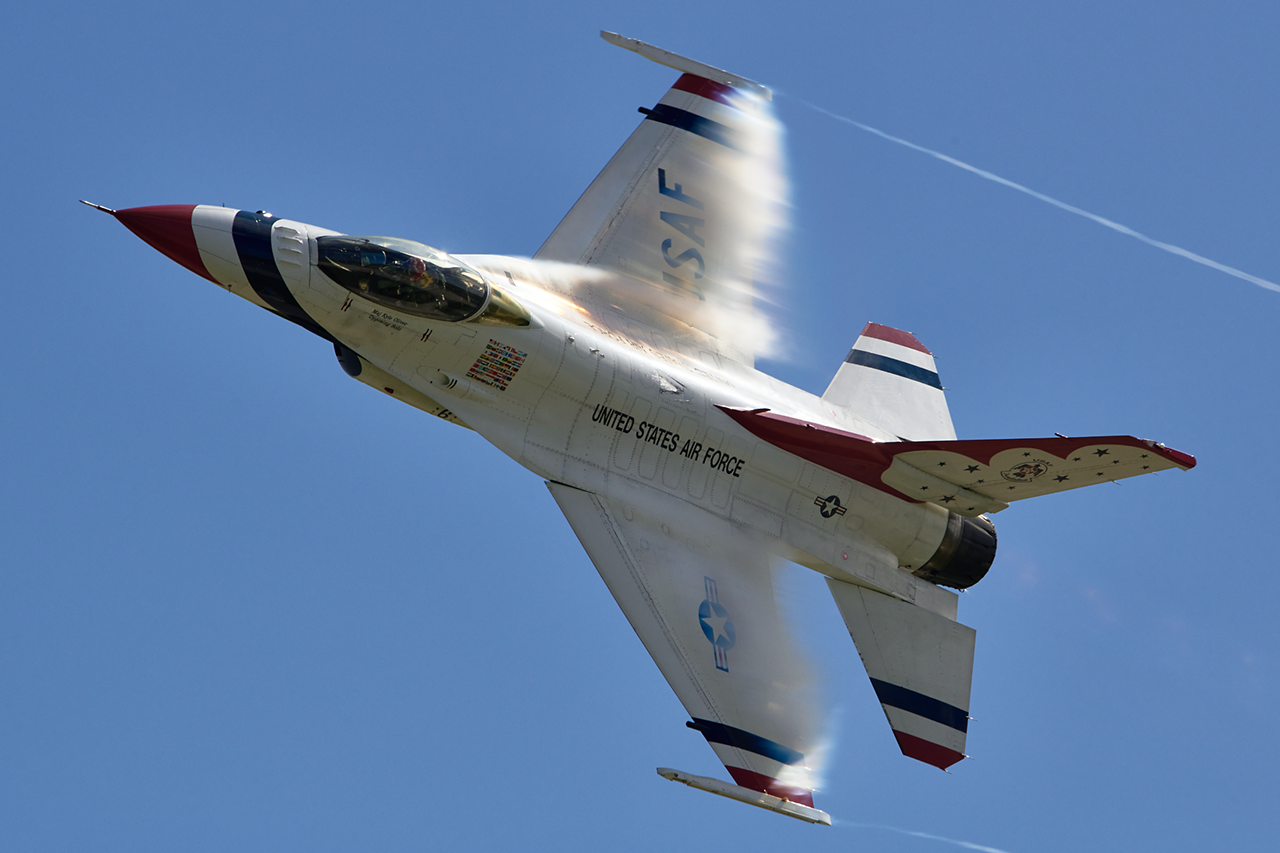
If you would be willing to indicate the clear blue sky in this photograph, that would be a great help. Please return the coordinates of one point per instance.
(249, 604)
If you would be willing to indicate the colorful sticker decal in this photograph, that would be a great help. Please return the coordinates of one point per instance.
(1025, 472)
(716, 626)
(497, 365)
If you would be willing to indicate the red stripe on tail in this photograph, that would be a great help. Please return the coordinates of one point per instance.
(894, 336)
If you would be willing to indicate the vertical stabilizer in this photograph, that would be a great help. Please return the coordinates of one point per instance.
(890, 380)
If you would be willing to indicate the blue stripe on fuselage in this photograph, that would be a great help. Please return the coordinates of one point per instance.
(252, 235)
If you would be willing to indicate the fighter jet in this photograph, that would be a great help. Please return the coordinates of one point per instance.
(618, 364)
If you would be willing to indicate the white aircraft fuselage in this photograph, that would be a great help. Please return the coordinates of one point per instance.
(579, 403)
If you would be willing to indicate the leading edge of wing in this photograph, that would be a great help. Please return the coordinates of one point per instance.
(969, 477)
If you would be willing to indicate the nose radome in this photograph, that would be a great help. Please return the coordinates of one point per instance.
(167, 228)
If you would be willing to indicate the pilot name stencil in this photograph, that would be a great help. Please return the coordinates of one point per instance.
(389, 320)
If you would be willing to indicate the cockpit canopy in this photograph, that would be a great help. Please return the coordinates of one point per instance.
(406, 276)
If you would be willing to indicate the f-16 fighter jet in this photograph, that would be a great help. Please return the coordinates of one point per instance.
(618, 365)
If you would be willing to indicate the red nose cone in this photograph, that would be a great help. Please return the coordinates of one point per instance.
(167, 228)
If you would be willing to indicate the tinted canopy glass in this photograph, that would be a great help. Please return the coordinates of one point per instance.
(404, 275)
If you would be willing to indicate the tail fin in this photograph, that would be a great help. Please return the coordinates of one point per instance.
(889, 379)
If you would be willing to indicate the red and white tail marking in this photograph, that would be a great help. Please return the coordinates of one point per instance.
(889, 379)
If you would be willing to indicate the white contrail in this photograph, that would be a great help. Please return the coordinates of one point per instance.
(969, 845)
(1114, 226)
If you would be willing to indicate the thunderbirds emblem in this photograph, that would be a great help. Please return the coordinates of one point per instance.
(1025, 472)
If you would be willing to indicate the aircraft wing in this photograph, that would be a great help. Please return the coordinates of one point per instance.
(684, 214)
(698, 590)
(969, 477)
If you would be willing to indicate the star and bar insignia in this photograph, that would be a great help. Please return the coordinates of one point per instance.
(829, 506)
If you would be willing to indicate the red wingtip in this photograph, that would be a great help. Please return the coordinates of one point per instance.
(769, 785)
(705, 88)
(167, 229)
(927, 751)
(1186, 460)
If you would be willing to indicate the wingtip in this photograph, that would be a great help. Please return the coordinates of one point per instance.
(687, 65)
(750, 796)
(1185, 461)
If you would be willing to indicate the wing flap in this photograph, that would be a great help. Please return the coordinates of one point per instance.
(921, 667)
(698, 590)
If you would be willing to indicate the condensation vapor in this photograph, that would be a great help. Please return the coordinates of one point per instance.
(1062, 205)
(760, 212)
(968, 845)
(737, 228)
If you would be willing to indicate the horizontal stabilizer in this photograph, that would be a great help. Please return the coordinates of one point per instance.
(921, 666)
(746, 795)
(968, 477)
(889, 379)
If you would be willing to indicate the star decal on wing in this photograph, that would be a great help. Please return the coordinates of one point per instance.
(717, 627)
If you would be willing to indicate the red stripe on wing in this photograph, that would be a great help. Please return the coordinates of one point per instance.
(769, 785)
(701, 86)
(926, 751)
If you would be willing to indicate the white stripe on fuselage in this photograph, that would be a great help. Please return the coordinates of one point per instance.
(212, 229)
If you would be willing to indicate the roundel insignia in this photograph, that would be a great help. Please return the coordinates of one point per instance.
(829, 506)
(716, 625)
